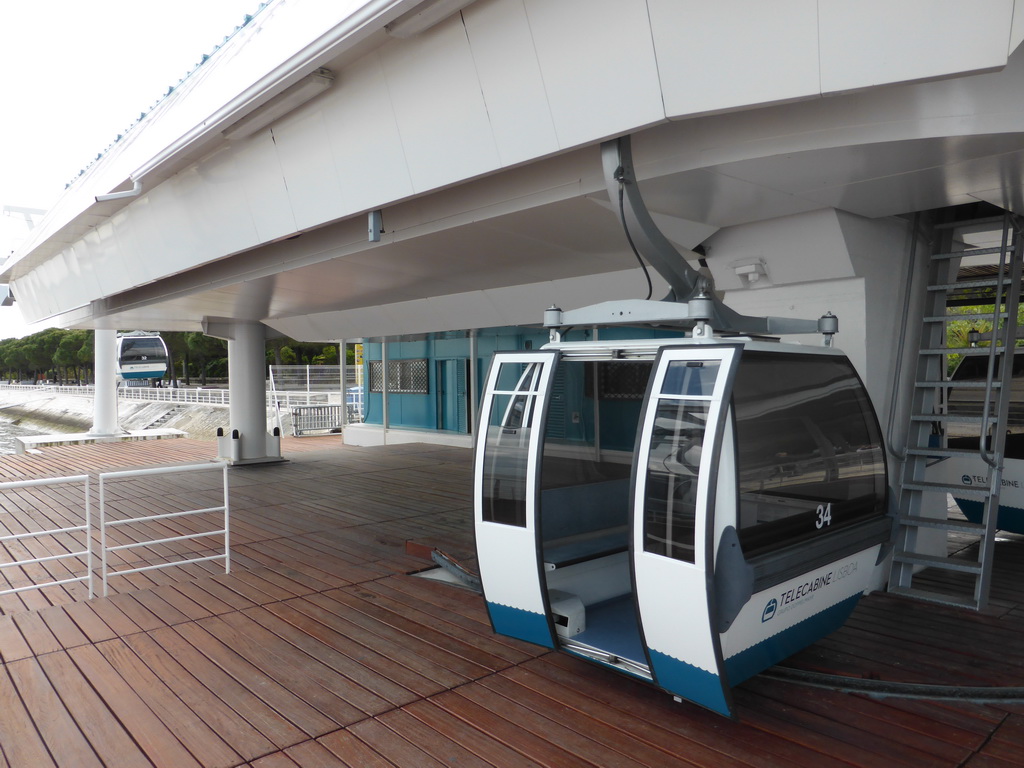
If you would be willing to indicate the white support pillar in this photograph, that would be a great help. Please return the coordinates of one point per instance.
(247, 386)
(104, 404)
(247, 440)
(343, 373)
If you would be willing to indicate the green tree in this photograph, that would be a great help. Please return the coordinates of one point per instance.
(328, 356)
(66, 358)
(178, 354)
(207, 350)
(958, 331)
(87, 355)
(288, 356)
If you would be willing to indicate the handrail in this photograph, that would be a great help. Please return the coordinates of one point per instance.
(105, 524)
(85, 528)
(1007, 347)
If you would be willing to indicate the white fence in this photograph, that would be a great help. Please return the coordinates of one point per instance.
(85, 529)
(105, 524)
(316, 418)
(199, 396)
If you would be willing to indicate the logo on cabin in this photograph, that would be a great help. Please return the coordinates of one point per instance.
(769, 610)
(966, 480)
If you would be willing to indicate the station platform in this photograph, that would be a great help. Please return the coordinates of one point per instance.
(322, 647)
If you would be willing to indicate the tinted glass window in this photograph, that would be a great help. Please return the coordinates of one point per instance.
(672, 470)
(150, 349)
(809, 452)
(510, 424)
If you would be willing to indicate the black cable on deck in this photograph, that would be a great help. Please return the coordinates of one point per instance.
(882, 688)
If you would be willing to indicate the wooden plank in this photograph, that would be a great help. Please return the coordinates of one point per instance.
(194, 733)
(440, 746)
(38, 636)
(276, 760)
(524, 741)
(146, 728)
(141, 616)
(393, 747)
(406, 669)
(226, 595)
(359, 664)
(252, 588)
(113, 617)
(96, 721)
(314, 660)
(259, 682)
(19, 739)
(178, 600)
(609, 739)
(234, 727)
(60, 733)
(166, 613)
(63, 628)
(446, 622)
(474, 648)
(353, 752)
(313, 754)
(249, 705)
(871, 717)
(445, 665)
(550, 726)
(482, 744)
(652, 714)
(92, 627)
(12, 643)
(213, 605)
(816, 731)
(302, 676)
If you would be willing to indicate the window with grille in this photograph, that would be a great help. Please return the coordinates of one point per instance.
(620, 380)
(408, 377)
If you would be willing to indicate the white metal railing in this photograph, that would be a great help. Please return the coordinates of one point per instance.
(85, 528)
(317, 418)
(184, 395)
(106, 524)
(199, 396)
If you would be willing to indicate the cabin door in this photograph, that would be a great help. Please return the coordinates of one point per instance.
(506, 479)
(673, 520)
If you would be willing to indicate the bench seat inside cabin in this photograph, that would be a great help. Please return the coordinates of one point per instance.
(583, 522)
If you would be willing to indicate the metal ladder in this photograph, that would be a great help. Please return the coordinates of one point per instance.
(931, 388)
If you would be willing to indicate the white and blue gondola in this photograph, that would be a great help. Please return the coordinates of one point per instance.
(684, 512)
(141, 355)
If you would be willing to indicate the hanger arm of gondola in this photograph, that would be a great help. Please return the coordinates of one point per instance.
(686, 283)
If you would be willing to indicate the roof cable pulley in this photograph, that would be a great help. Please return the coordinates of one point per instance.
(828, 326)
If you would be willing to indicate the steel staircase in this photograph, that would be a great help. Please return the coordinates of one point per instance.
(929, 537)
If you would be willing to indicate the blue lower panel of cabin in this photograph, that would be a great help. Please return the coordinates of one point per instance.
(523, 625)
(690, 682)
(1011, 519)
(774, 649)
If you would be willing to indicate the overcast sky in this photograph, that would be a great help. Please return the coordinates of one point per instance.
(76, 73)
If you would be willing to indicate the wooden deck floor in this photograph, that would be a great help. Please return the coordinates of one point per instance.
(319, 650)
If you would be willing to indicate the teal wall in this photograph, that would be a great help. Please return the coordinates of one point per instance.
(420, 411)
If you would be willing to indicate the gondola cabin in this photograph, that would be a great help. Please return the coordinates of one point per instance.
(141, 356)
(686, 512)
(968, 474)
